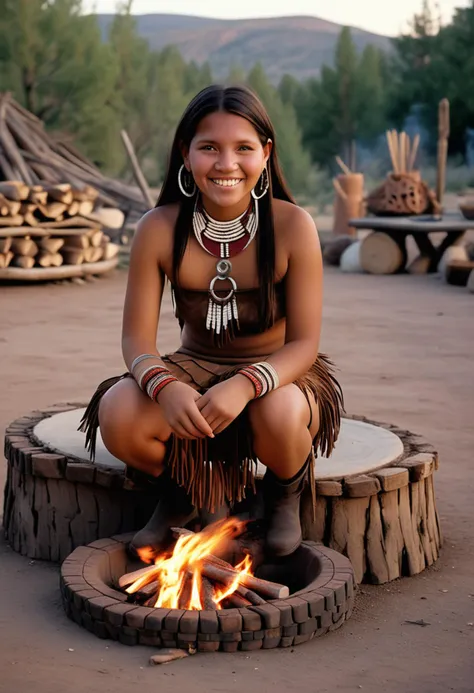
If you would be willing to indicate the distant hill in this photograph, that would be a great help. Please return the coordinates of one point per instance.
(294, 45)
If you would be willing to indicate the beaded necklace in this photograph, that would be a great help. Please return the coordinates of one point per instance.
(224, 240)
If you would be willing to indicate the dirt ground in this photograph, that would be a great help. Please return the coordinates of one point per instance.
(404, 346)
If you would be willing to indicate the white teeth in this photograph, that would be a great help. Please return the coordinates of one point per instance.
(226, 182)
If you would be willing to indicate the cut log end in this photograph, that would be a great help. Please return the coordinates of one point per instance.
(381, 254)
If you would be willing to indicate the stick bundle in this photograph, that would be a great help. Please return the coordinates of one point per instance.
(402, 151)
(28, 154)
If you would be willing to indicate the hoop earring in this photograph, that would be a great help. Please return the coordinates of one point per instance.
(182, 183)
(262, 185)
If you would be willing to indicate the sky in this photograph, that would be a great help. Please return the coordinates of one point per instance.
(388, 18)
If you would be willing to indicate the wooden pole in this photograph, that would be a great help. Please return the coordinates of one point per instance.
(443, 135)
(344, 167)
(353, 159)
(413, 153)
(139, 177)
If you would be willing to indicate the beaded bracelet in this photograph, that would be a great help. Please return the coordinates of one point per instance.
(263, 376)
(154, 378)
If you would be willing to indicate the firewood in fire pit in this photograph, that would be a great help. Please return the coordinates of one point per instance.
(271, 590)
(129, 578)
(186, 591)
(236, 601)
(207, 595)
(191, 566)
(250, 596)
(221, 571)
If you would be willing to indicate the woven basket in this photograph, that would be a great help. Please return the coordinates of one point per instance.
(402, 194)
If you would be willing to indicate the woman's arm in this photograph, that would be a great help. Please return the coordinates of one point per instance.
(152, 243)
(144, 287)
(304, 299)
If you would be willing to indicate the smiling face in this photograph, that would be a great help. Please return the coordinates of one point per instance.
(226, 159)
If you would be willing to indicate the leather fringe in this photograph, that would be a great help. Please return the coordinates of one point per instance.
(219, 470)
(89, 423)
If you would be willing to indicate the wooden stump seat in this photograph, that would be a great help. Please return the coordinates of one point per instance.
(375, 494)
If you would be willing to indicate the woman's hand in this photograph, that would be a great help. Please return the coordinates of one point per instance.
(178, 402)
(221, 404)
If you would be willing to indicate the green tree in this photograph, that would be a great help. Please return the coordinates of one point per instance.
(371, 94)
(53, 60)
(415, 76)
(289, 90)
(236, 75)
(347, 102)
(346, 82)
(432, 62)
(295, 161)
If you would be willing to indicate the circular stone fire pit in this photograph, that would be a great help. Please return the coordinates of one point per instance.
(375, 494)
(321, 582)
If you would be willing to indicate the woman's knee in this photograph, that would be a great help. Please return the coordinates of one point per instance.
(125, 420)
(282, 413)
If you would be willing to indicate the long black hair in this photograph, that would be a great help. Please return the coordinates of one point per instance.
(241, 101)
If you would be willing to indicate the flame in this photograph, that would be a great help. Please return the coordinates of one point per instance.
(243, 568)
(175, 572)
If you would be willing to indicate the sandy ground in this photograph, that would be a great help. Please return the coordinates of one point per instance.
(404, 346)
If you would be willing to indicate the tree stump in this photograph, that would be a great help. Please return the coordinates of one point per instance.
(382, 516)
(385, 521)
(53, 503)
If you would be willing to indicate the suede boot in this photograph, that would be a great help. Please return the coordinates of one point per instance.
(174, 509)
(282, 503)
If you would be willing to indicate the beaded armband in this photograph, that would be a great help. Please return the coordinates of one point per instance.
(263, 377)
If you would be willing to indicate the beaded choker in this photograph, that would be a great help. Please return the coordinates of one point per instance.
(224, 240)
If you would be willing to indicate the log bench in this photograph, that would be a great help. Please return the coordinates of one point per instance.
(385, 248)
(375, 494)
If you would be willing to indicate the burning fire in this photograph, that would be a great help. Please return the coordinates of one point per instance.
(179, 577)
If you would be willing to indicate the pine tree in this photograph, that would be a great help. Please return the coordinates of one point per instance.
(295, 161)
(347, 103)
(371, 94)
(53, 60)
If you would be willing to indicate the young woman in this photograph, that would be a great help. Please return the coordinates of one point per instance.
(244, 264)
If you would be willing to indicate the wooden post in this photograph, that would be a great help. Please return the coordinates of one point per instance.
(138, 173)
(443, 135)
(348, 202)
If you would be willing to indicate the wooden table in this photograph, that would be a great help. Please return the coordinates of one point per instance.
(454, 226)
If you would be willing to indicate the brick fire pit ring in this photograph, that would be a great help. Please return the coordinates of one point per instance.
(322, 588)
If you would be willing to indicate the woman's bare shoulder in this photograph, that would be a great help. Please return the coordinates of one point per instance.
(292, 223)
(158, 224)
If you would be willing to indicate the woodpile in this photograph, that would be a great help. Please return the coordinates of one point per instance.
(42, 205)
(31, 155)
(49, 225)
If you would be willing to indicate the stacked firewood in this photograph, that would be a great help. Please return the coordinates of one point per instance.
(29, 154)
(40, 205)
(48, 225)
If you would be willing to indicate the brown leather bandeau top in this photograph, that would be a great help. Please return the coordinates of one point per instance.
(191, 308)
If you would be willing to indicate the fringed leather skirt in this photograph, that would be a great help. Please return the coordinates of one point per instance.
(215, 470)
